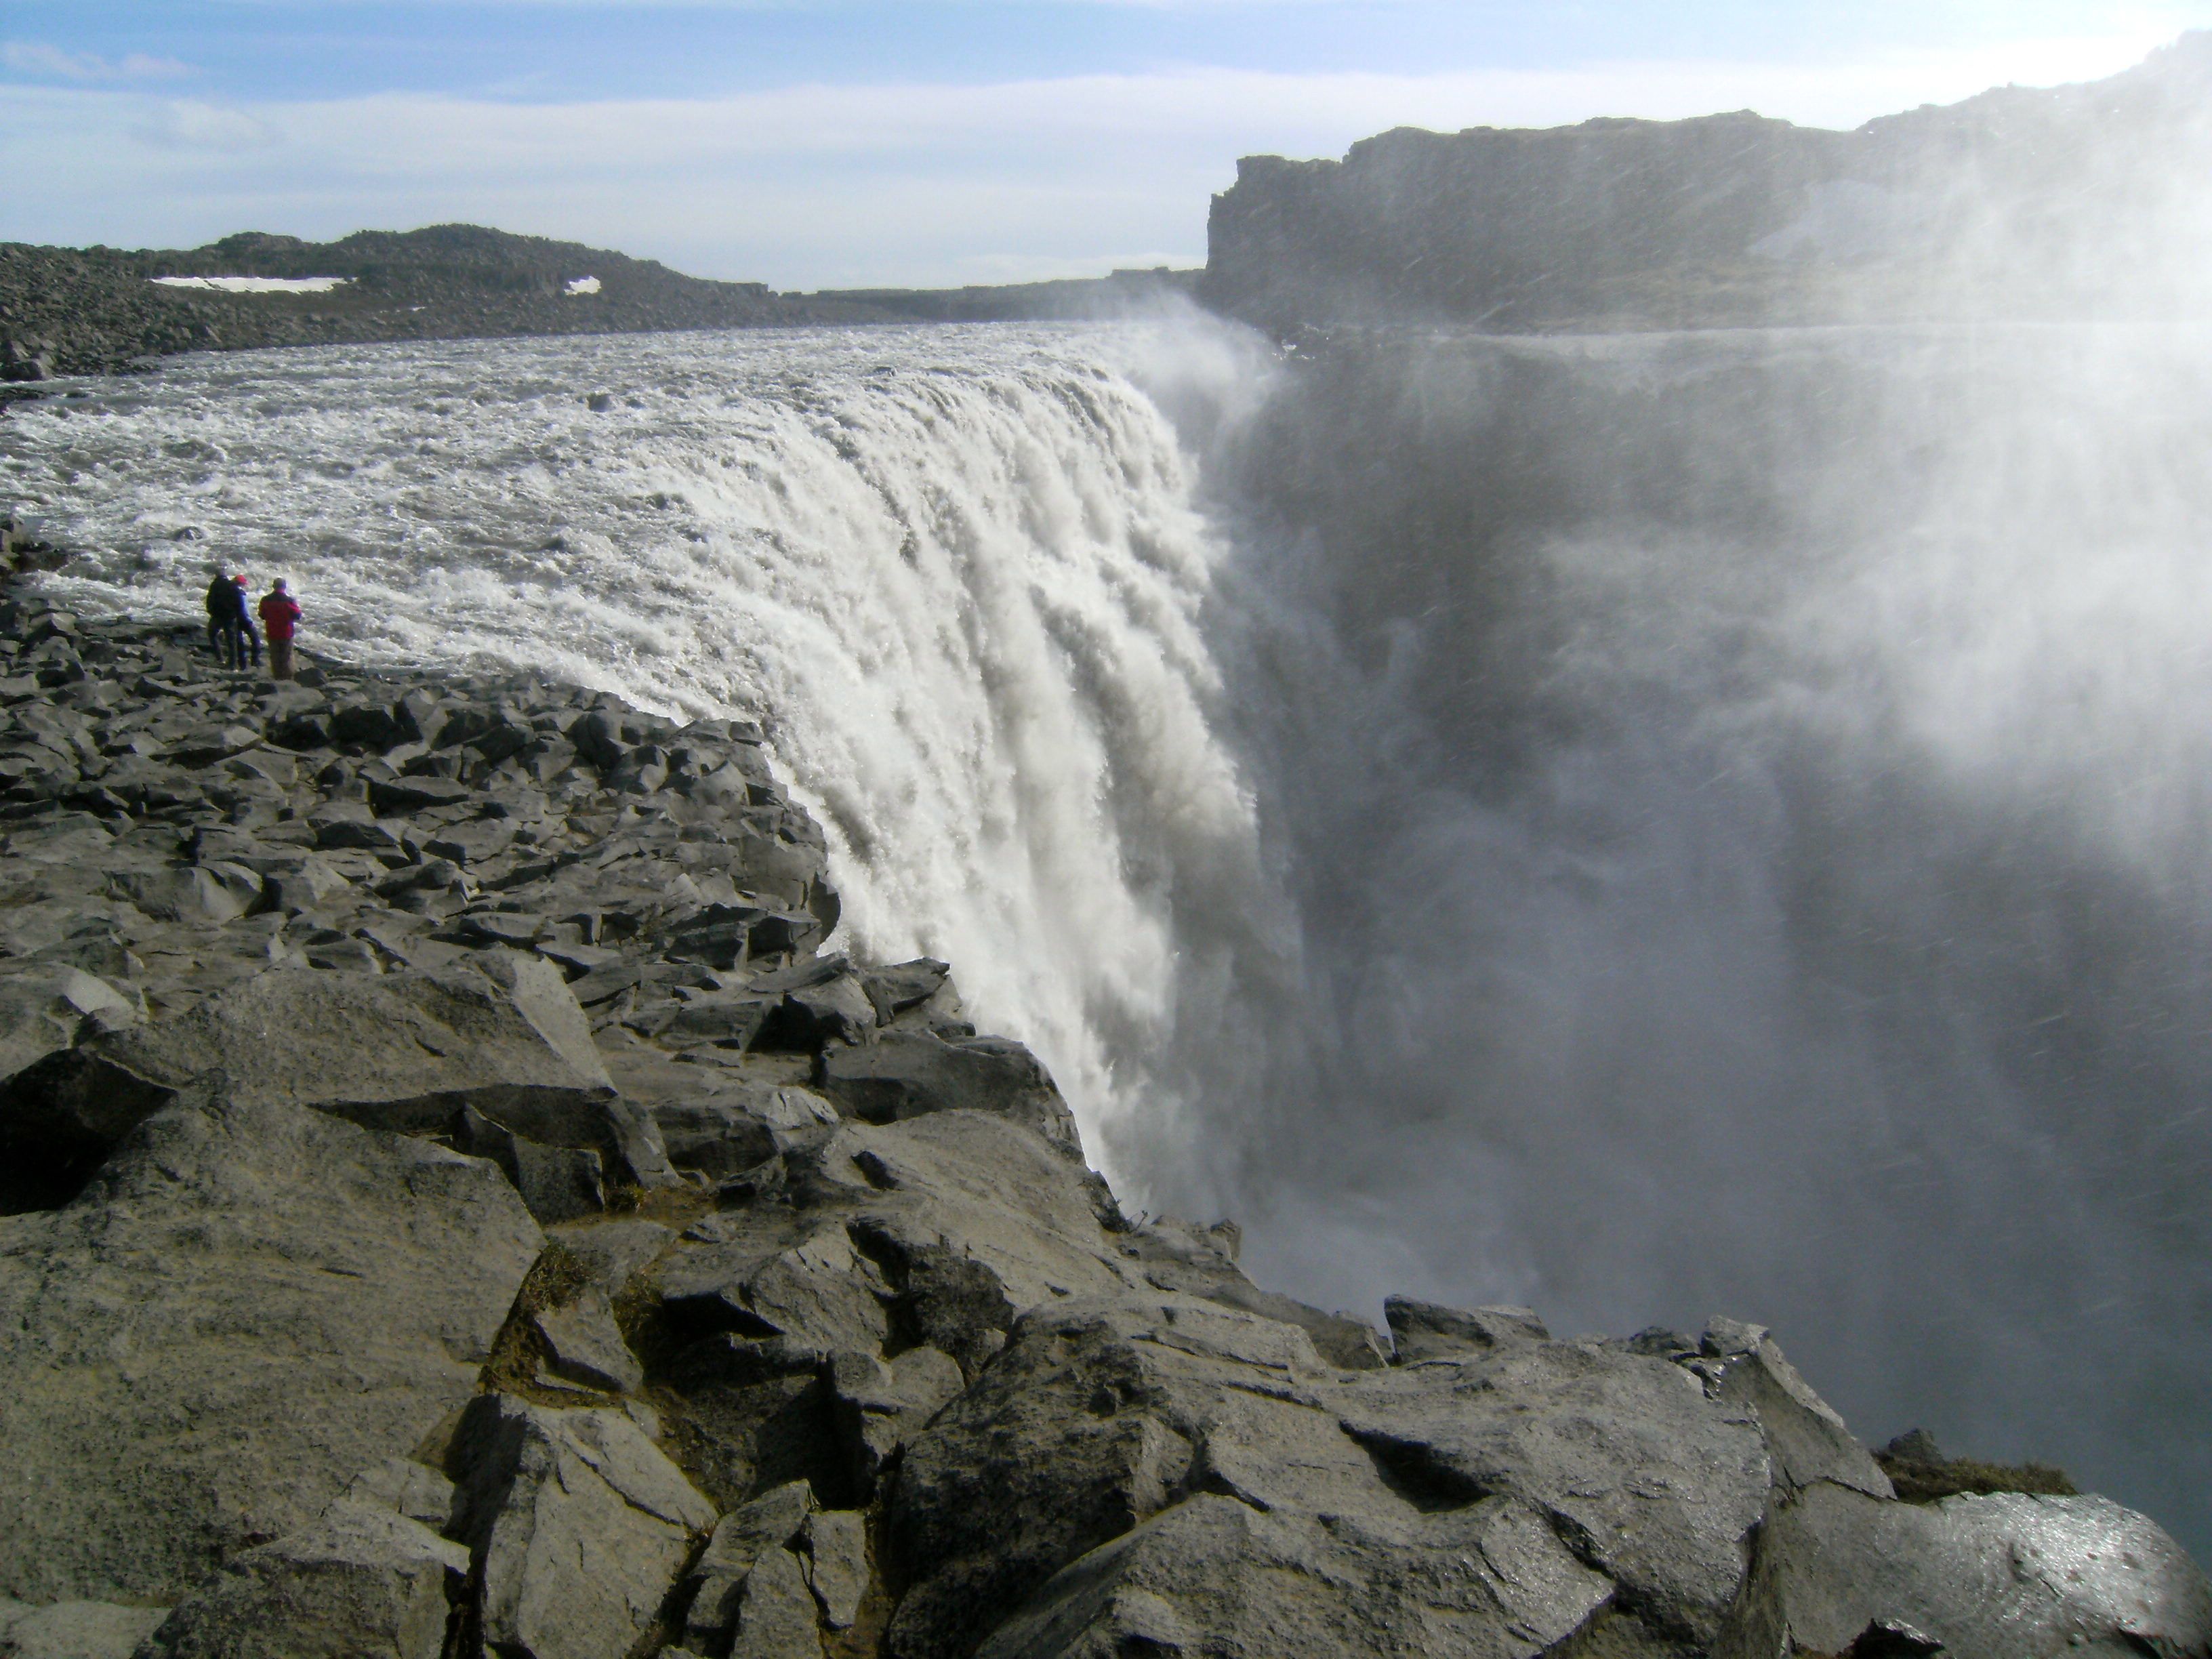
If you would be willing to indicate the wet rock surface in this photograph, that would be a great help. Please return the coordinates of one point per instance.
(455, 1205)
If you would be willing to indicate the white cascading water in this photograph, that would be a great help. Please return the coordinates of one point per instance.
(1648, 826)
(956, 573)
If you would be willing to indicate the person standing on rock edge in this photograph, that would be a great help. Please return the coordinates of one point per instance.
(246, 636)
(221, 601)
(280, 615)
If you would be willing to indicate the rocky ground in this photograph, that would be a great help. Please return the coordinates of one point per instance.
(454, 1205)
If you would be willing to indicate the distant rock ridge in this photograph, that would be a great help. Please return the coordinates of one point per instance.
(84, 311)
(2081, 200)
(450, 1205)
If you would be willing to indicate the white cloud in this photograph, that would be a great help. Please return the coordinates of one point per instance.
(49, 62)
(185, 123)
(837, 185)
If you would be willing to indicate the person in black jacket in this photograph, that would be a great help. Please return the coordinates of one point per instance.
(228, 628)
(218, 608)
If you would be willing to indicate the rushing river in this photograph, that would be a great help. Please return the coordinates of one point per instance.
(1644, 826)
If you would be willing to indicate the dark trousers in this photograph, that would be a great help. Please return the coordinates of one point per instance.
(236, 644)
(280, 660)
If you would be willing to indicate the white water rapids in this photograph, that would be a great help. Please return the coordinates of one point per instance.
(1649, 826)
(956, 573)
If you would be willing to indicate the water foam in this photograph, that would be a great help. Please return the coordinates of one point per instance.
(955, 572)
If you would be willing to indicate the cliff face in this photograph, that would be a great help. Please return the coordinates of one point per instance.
(449, 1204)
(2028, 203)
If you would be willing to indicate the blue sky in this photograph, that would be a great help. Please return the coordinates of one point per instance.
(827, 143)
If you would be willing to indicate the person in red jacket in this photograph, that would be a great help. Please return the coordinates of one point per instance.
(280, 615)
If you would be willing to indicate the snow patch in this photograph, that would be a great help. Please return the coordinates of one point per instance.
(257, 284)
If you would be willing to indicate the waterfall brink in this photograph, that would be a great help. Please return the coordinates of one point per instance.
(1638, 825)
(959, 572)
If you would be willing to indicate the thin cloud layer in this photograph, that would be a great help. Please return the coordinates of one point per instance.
(41, 61)
(809, 186)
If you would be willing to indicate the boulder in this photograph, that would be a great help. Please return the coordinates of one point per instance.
(558, 1183)
(43, 1009)
(577, 1523)
(405, 1051)
(373, 725)
(358, 1582)
(1805, 1440)
(1086, 1426)
(1163, 1469)
(717, 1137)
(727, 1020)
(2006, 1575)
(774, 1522)
(252, 1303)
(836, 1562)
(583, 1345)
(393, 797)
(904, 985)
(819, 1295)
(1423, 1330)
(776, 1615)
(838, 1011)
(880, 1406)
(1619, 1449)
(1178, 1256)
(911, 1074)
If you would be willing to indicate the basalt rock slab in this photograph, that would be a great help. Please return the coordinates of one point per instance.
(358, 1582)
(252, 1302)
(912, 1075)
(402, 1051)
(773, 1523)
(879, 1405)
(1806, 1438)
(1423, 1330)
(46, 1008)
(578, 1525)
(1163, 1469)
(2006, 1575)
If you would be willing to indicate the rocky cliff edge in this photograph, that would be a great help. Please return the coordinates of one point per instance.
(454, 1206)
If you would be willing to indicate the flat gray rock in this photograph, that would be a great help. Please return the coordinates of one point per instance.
(401, 1051)
(2003, 1577)
(905, 1074)
(584, 1345)
(836, 1562)
(880, 1405)
(358, 1582)
(578, 1524)
(776, 1520)
(251, 1304)
(1132, 1469)
(776, 1617)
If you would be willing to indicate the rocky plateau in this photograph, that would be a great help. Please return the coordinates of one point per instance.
(457, 1201)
